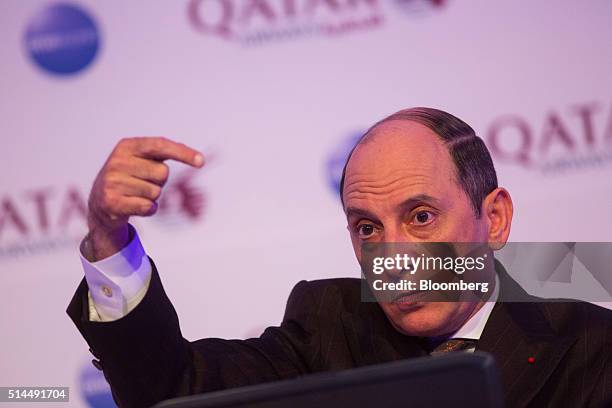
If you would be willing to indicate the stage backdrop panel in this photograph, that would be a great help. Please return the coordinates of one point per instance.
(275, 95)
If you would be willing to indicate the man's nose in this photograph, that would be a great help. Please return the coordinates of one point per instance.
(397, 234)
(396, 241)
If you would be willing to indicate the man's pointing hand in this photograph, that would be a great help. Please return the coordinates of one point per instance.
(129, 184)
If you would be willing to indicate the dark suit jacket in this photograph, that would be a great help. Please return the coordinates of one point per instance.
(326, 327)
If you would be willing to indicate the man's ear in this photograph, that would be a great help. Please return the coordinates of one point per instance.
(497, 209)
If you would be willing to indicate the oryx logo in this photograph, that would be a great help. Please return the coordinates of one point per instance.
(62, 39)
(183, 200)
(419, 7)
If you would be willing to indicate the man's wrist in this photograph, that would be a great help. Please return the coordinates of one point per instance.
(101, 242)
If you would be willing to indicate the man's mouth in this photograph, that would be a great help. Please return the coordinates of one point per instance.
(407, 301)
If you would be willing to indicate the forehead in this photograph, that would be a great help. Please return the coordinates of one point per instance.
(396, 156)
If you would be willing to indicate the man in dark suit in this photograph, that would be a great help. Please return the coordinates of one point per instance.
(420, 175)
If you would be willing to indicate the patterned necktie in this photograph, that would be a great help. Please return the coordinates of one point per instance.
(451, 345)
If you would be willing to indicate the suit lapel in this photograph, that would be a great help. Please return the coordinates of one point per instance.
(517, 332)
(373, 340)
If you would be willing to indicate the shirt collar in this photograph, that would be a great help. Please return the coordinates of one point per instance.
(473, 328)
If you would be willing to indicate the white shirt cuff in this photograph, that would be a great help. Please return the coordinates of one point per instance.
(118, 283)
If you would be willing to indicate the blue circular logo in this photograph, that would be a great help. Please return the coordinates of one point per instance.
(337, 159)
(62, 39)
(94, 388)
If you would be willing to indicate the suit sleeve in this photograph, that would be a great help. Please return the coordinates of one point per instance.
(145, 358)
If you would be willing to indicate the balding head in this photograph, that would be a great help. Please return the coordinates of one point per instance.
(474, 168)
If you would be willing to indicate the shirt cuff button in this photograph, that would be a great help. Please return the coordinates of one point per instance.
(108, 292)
(97, 364)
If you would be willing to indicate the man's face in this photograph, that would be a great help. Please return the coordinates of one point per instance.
(401, 186)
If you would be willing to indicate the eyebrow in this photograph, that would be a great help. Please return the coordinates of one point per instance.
(354, 211)
(417, 199)
(405, 205)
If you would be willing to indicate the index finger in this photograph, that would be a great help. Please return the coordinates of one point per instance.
(160, 148)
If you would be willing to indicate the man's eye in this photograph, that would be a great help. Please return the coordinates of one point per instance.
(423, 217)
(365, 230)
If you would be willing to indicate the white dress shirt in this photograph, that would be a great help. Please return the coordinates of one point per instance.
(473, 328)
(118, 283)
